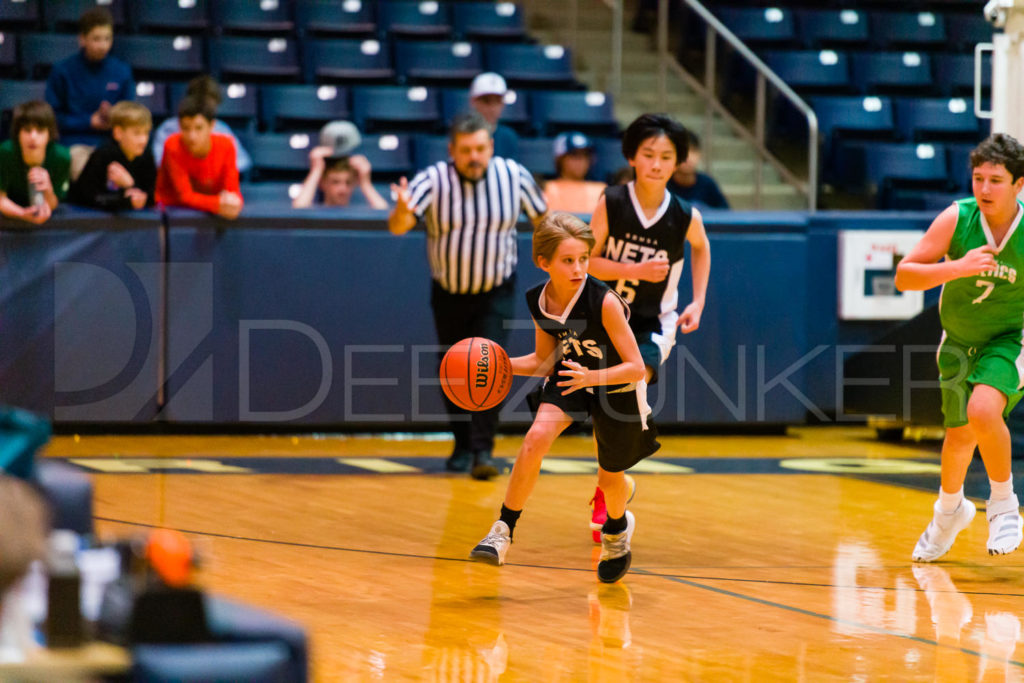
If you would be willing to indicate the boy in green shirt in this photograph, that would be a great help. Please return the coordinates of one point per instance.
(34, 169)
(981, 364)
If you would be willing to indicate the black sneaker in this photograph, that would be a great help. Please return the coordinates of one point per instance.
(484, 466)
(459, 461)
(615, 554)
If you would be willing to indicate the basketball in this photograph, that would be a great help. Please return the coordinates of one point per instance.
(476, 374)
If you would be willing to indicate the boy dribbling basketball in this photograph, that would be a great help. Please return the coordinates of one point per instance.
(592, 365)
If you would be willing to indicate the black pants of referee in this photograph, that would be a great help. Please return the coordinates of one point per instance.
(457, 316)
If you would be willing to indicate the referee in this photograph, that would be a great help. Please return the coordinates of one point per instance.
(471, 205)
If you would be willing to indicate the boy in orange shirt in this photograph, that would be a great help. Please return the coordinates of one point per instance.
(198, 168)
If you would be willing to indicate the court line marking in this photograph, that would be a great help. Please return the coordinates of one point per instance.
(827, 617)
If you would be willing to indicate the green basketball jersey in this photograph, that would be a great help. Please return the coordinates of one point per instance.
(981, 307)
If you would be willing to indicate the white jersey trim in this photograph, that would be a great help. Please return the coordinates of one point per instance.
(568, 308)
(666, 200)
(1009, 233)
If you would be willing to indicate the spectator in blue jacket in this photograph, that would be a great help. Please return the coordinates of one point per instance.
(693, 185)
(82, 88)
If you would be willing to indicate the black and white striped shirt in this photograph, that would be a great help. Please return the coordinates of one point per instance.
(471, 225)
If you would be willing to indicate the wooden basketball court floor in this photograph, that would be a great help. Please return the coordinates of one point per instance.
(779, 558)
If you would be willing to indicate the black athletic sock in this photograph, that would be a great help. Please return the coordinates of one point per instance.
(510, 517)
(614, 526)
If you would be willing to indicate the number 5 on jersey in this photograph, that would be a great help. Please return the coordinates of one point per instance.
(625, 289)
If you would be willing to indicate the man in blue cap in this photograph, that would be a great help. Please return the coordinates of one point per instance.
(571, 191)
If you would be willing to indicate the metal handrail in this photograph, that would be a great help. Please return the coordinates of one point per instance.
(764, 74)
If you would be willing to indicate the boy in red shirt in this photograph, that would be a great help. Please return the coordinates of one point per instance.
(198, 167)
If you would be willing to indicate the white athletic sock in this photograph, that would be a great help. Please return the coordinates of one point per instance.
(1001, 489)
(949, 502)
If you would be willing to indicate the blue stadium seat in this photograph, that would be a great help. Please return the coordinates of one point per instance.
(246, 16)
(302, 106)
(870, 115)
(336, 18)
(607, 159)
(922, 200)
(238, 106)
(19, 15)
(911, 30)
(954, 74)
(429, 149)
(893, 165)
(390, 155)
(63, 15)
(812, 71)
(13, 93)
(161, 56)
(892, 72)
(959, 165)
(967, 30)
(414, 19)
(438, 63)
(758, 26)
(349, 60)
(255, 58)
(155, 98)
(190, 17)
(280, 156)
(380, 107)
(833, 28)
(590, 112)
(269, 192)
(921, 119)
(40, 51)
(516, 114)
(531, 65)
(537, 154)
(489, 21)
(9, 53)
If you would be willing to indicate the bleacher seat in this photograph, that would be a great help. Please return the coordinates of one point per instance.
(531, 65)
(920, 119)
(384, 107)
(438, 63)
(153, 95)
(336, 18)
(19, 15)
(349, 60)
(516, 114)
(302, 106)
(812, 71)
(429, 149)
(922, 200)
(63, 15)
(967, 30)
(872, 116)
(537, 154)
(13, 93)
(489, 21)
(40, 51)
(954, 74)
(270, 192)
(958, 165)
(590, 112)
(607, 158)
(9, 53)
(821, 28)
(161, 56)
(248, 58)
(280, 156)
(390, 155)
(892, 72)
(239, 105)
(759, 26)
(909, 30)
(414, 19)
(271, 18)
(894, 165)
(191, 17)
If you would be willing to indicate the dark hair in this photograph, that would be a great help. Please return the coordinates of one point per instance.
(469, 122)
(93, 18)
(194, 105)
(34, 114)
(1000, 148)
(205, 86)
(692, 140)
(652, 126)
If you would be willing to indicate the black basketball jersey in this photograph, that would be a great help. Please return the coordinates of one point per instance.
(579, 331)
(632, 238)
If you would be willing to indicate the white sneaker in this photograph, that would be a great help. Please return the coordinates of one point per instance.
(1005, 526)
(938, 538)
(494, 546)
(615, 554)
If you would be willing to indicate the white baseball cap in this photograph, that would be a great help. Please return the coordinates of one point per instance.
(343, 136)
(487, 83)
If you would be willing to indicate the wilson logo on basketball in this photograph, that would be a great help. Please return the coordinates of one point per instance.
(483, 366)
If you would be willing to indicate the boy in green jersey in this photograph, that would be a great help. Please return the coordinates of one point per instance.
(976, 252)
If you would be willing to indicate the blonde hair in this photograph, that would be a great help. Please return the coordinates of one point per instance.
(555, 229)
(125, 114)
